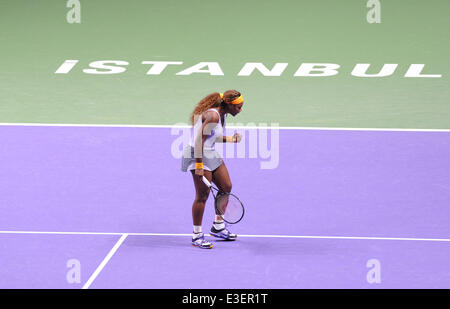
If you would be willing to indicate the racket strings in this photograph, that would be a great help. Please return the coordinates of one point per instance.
(230, 208)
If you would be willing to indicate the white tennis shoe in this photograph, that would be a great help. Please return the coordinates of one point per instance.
(201, 242)
(223, 234)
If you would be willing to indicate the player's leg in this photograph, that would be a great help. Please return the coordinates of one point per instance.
(221, 179)
(198, 208)
(201, 196)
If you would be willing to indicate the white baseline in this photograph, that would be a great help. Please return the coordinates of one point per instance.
(124, 235)
(230, 126)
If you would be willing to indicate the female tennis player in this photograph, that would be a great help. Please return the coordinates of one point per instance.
(200, 157)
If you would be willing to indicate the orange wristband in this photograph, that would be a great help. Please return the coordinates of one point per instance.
(229, 139)
(198, 165)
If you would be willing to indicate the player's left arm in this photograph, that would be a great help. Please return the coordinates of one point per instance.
(236, 138)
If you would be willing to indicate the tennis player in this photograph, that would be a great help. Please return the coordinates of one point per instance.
(200, 157)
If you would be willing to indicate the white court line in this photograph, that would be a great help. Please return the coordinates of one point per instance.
(229, 126)
(104, 262)
(249, 236)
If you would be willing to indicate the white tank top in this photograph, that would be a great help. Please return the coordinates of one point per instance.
(216, 132)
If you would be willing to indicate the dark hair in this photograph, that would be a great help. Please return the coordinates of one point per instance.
(213, 100)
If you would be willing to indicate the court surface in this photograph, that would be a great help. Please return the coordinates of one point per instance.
(345, 179)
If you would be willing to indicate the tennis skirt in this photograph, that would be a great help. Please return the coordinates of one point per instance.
(211, 159)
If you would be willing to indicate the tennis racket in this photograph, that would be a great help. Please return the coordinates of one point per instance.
(227, 205)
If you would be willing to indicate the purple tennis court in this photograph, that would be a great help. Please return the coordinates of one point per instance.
(339, 204)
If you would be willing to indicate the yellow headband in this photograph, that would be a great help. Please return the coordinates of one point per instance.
(235, 101)
(238, 100)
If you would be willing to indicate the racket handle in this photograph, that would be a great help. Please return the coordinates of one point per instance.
(206, 182)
